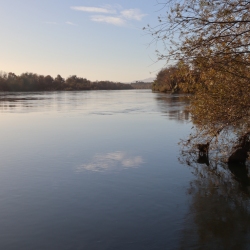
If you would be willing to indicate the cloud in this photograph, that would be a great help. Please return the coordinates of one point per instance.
(107, 10)
(104, 162)
(132, 162)
(119, 16)
(118, 21)
(133, 14)
(70, 23)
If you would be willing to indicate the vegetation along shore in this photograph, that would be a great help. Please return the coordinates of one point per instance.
(34, 82)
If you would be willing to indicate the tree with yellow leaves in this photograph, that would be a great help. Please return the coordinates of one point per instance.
(212, 37)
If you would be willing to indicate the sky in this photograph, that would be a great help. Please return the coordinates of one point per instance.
(94, 39)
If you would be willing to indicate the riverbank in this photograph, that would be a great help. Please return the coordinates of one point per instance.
(28, 82)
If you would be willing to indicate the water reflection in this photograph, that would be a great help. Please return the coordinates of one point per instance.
(19, 101)
(110, 161)
(219, 216)
(174, 106)
(142, 208)
(89, 102)
(97, 103)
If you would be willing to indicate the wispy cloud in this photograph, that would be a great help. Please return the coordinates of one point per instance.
(70, 23)
(113, 160)
(133, 14)
(117, 16)
(107, 10)
(118, 21)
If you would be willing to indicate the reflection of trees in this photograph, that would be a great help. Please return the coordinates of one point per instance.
(34, 101)
(174, 106)
(19, 100)
(219, 216)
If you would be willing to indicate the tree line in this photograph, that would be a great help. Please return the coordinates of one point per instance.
(35, 82)
(178, 78)
(170, 79)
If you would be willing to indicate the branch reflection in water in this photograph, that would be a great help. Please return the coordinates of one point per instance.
(174, 106)
(111, 161)
(219, 216)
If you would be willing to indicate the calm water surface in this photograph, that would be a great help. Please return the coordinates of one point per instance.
(100, 170)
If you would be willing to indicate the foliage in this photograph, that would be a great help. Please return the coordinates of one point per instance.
(34, 82)
(212, 38)
(166, 80)
(177, 78)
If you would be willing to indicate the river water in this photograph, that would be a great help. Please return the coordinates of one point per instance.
(103, 170)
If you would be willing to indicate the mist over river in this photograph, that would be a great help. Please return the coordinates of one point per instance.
(101, 170)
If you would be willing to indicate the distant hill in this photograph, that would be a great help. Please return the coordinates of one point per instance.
(141, 85)
(148, 80)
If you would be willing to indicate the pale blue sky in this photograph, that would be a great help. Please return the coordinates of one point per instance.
(96, 39)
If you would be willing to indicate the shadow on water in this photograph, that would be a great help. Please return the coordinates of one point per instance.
(203, 159)
(173, 106)
(240, 174)
(219, 211)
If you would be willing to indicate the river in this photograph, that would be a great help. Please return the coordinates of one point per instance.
(103, 170)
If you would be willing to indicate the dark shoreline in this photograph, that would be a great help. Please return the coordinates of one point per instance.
(29, 82)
